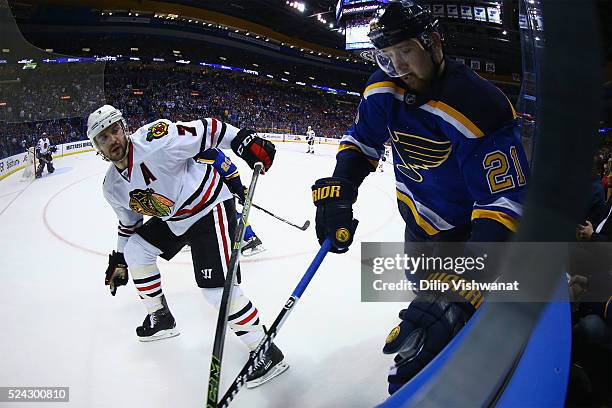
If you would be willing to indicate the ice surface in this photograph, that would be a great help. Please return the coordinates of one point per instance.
(61, 327)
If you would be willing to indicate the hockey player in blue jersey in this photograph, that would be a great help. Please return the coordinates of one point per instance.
(252, 245)
(459, 165)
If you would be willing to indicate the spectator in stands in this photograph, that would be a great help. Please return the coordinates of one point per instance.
(144, 92)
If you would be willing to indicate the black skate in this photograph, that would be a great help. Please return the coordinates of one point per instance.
(272, 365)
(252, 246)
(157, 326)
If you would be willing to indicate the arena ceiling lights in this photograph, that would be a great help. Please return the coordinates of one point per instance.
(301, 7)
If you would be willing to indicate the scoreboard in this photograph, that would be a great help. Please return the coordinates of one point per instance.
(355, 15)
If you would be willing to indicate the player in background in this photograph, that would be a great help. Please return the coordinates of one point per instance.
(383, 158)
(44, 152)
(460, 168)
(310, 138)
(155, 172)
(251, 244)
(28, 172)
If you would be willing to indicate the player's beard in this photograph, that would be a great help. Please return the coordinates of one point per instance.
(417, 83)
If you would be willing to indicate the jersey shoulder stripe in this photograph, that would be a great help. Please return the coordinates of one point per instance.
(469, 102)
(380, 83)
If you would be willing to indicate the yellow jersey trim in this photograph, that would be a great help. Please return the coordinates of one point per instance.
(421, 222)
(498, 216)
(458, 116)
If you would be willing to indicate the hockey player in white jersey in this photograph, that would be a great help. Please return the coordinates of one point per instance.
(155, 172)
(310, 138)
(383, 159)
(28, 172)
(44, 152)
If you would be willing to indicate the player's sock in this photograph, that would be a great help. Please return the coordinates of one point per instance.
(148, 282)
(243, 316)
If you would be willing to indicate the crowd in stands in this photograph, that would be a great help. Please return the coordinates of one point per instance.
(148, 92)
(590, 283)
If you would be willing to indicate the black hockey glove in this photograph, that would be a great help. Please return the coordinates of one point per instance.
(240, 194)
(428, 325)
(116, 273)
(236, 188)
(334, 198)
(53, 149)
(252, 148)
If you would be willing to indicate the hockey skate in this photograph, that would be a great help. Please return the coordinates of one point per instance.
(272, 365)
(252, 246)
(157, 326)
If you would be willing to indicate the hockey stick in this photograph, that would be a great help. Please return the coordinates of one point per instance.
(263, 346)
(217, 354)
(303, 227)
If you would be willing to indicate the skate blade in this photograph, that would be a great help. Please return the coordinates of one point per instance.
(251, 252)
(160, 335)
(274, 372)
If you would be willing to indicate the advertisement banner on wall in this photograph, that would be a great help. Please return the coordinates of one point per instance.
(14, 163)
(11, 164)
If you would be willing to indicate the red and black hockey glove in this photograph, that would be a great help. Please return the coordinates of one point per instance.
(116, 273)
(252, 148)
(334, 198)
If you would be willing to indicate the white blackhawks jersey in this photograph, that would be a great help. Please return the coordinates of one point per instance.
(43, 145)
(162, 178)
(310, 134)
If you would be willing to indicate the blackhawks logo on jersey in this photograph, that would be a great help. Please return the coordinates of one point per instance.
(157, 130)
(417, 153)
(148, 202)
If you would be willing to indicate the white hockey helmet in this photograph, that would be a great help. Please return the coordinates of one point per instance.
(101, 119)
(309, 127)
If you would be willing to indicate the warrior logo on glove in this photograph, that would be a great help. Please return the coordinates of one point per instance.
(334, 198)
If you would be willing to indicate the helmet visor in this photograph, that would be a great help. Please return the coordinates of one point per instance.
(393, 64)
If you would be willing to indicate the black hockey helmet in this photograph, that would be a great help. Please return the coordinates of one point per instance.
(401, 20)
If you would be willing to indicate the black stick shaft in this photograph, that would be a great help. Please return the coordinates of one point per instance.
(266, 342)
(214, 377)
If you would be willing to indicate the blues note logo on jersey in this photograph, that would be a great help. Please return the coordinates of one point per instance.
(158, 130)
(417, 154)
(148, 202)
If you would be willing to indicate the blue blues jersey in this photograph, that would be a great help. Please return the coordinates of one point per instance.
(457, 153)
(224, 166)
(221, 162)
